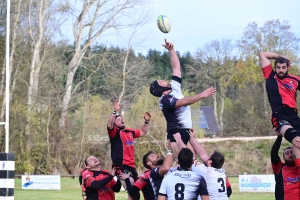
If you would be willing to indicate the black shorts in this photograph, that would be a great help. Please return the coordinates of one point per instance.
(185, 135)
(287, 114)
(126, 170)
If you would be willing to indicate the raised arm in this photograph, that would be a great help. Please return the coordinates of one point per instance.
(92, 182)
(265, 56)
(117, 186)
(175, 64)
(275, 159)
(198, 148)
(112, 118)
(144, 129)
(167, 162)
(193, 99)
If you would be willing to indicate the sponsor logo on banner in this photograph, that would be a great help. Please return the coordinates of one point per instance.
(257, 183)
(41, 182)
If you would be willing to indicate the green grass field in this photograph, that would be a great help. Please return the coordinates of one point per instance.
(70, 190)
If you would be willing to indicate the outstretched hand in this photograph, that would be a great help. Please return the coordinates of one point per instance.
(147, 116)
(168, 45)
(192, 133)
(123, 176)
(296, 142)
(113, 171)
(177, 136)
(208, 92)
(117, 105)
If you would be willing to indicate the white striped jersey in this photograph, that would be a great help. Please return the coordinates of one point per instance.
(215, 180)
(182, 185)
(176, 117)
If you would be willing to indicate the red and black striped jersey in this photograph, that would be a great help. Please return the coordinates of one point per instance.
(281, 91)
(287, 182)
(122, 146)
(143, 183)
(100, 185)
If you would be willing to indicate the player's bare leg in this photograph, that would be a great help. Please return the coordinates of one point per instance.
(180, 145)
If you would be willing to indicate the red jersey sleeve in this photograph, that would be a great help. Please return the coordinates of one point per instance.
(141, 182)
(88, 178)
(298, 80)
(267, 71)
(113, 181)
(135, 132)
(112, 132)
(227, 182)
(277, 168)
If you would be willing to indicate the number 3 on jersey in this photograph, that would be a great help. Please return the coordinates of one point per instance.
(179, 191)
(220, 180)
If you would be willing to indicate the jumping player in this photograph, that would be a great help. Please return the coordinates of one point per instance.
(173, 104)
(282, 89)
(122, 143)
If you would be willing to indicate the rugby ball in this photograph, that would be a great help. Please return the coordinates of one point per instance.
(164, 24)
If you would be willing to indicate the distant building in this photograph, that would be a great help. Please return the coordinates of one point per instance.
(208, 121)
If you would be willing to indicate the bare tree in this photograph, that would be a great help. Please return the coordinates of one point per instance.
(274, 36)
(15, 19)
(41, 13)
(217, 65)
(96, 18)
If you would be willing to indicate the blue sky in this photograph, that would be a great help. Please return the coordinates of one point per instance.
(197, 22)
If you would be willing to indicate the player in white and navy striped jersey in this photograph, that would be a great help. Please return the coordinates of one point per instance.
(174, 106)
(183, 184)
(218, 185)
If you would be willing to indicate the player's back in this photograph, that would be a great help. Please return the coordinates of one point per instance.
(183, 185)
(215, 180)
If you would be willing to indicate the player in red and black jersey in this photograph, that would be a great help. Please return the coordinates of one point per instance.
(99, 184)
(122, 143)
(282, 90)
(286, 176)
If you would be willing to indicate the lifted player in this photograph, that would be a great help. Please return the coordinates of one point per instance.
(173, 104)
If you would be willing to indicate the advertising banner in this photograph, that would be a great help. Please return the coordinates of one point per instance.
(257, 183)
(41, 182)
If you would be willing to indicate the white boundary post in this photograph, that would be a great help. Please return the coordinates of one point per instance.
(7, 160)
(7, 78)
